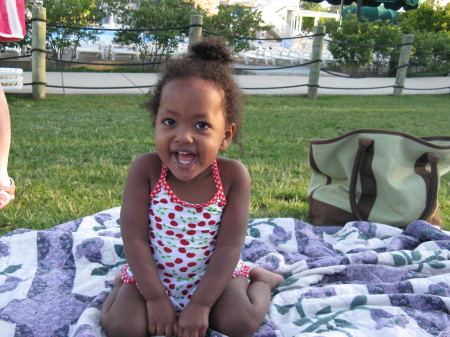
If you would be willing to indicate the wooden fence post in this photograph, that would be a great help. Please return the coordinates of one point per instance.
(195, 30)
(38, 59)
(403, 62)
(314, 70)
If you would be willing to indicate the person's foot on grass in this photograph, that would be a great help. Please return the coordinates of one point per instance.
(7, 192)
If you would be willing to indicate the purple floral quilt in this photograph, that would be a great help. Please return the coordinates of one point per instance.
(363, 279)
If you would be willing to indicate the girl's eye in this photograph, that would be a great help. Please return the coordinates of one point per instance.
(169, 122)
(202, 125)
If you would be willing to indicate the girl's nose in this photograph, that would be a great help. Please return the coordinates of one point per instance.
(183, 135)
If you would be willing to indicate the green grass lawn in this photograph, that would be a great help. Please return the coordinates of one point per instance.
(70, 155)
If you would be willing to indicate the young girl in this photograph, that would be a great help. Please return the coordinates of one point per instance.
(184, 274)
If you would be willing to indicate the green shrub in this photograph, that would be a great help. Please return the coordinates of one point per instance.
(346, 44)
(236, 20)
(380, 48)
(430, 16)
(376, 38)
(430, 53)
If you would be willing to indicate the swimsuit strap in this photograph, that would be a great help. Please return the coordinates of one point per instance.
(219, 197)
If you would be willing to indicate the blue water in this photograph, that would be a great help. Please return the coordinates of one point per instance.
(106, 36)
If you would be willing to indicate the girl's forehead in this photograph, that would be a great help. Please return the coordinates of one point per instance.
(192, 83)
(191, 94)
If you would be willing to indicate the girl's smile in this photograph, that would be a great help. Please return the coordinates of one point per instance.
(191, 127)
(185, 158)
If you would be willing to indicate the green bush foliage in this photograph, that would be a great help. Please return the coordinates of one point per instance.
(155, 43)
(352, 44)
(235, 20)
(73, 13)
(430, 16)
(380, 41)
(430, 53)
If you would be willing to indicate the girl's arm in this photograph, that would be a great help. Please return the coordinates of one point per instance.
(134, 227)
(230, 240)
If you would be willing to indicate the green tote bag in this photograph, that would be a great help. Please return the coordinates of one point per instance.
(376, 175)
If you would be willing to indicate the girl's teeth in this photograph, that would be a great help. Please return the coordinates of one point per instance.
(185, 158)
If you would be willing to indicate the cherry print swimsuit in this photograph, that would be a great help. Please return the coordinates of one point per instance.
(182, 239)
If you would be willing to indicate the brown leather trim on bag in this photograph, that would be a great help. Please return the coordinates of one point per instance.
(431, 185)
(323, 214)
(362, 167)
(368, 183)
(422, 140)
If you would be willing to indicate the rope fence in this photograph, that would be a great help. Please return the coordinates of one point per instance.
(314, 63)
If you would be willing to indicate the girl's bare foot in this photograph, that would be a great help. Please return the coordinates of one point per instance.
(264, 275)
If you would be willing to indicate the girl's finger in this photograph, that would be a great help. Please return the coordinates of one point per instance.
(169, 331)
(151, 329)
(160, 330)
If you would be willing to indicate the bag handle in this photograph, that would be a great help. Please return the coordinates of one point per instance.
(431, 179)
(364, 145)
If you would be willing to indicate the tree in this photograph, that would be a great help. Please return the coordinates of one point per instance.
(159, 17)
(311, 6)
(430, 16)
(430, 25)
(430, 52)
(236, 20)
(72, 13)
(347, 36)
(364, 44)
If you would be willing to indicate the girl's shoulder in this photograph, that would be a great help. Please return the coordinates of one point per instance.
(226, 163)
(232, 171)
(148, 166)
(149, 160)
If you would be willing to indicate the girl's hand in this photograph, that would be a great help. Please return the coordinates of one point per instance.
(162, 318)
(193, 320)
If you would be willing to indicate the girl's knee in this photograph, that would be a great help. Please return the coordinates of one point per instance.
(123, 325)
(237, 324)
(122, 329)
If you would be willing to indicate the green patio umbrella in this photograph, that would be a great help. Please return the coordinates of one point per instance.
(374, 13)
(389, 4)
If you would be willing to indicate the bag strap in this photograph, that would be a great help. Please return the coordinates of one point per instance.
(363, 155)
(362, 165)
(431, 180)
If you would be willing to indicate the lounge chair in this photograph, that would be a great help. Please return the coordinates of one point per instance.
(93, 49)
(260, 54)
(123, 50)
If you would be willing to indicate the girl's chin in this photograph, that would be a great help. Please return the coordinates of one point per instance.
(184, 172)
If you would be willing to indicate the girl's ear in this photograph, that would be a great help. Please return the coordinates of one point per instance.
(228, 136)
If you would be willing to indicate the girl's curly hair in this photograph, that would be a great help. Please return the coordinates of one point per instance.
(209, 59)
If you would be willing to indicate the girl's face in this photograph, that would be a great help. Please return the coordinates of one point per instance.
(191, 127)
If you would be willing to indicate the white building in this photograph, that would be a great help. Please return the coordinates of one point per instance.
(285, 16)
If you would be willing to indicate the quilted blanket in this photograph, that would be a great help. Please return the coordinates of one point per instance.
(362, 279)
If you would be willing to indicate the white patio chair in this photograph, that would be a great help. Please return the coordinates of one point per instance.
(92, 49)
(287, 55)
(123, 50)
(260, 54)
